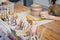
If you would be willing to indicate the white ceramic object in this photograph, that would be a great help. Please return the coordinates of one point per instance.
(36, 5)
(43, 13)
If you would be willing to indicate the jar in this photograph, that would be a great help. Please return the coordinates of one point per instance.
(36, 9)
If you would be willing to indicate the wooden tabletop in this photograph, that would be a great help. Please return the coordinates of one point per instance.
(54, 26)
(50, 31)
(20, 8)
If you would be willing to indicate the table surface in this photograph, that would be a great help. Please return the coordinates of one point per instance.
(51, 31)
(20, 8)
(54, 26)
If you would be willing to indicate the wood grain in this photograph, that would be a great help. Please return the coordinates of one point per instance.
(52, 31)
(20, 8)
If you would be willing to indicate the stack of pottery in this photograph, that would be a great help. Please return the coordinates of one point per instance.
(36, 9)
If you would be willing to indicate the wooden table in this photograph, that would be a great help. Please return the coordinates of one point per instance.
(49, 31)
(20, 8)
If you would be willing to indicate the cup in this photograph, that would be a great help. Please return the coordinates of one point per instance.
(43, 13)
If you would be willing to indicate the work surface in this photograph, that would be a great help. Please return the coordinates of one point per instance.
(50, 31)
(20, 8)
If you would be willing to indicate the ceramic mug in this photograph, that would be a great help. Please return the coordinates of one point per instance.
(43, 13)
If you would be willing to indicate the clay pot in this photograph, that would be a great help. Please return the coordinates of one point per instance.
(36, 9)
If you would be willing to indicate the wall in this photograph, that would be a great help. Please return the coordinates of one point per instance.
(43, 2)
(20, 2)
(29, 2)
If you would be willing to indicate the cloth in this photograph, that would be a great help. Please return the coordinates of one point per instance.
(34, 27)
(30, 17)
(4, 27)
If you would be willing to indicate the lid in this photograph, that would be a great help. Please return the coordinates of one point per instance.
(36, 5)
